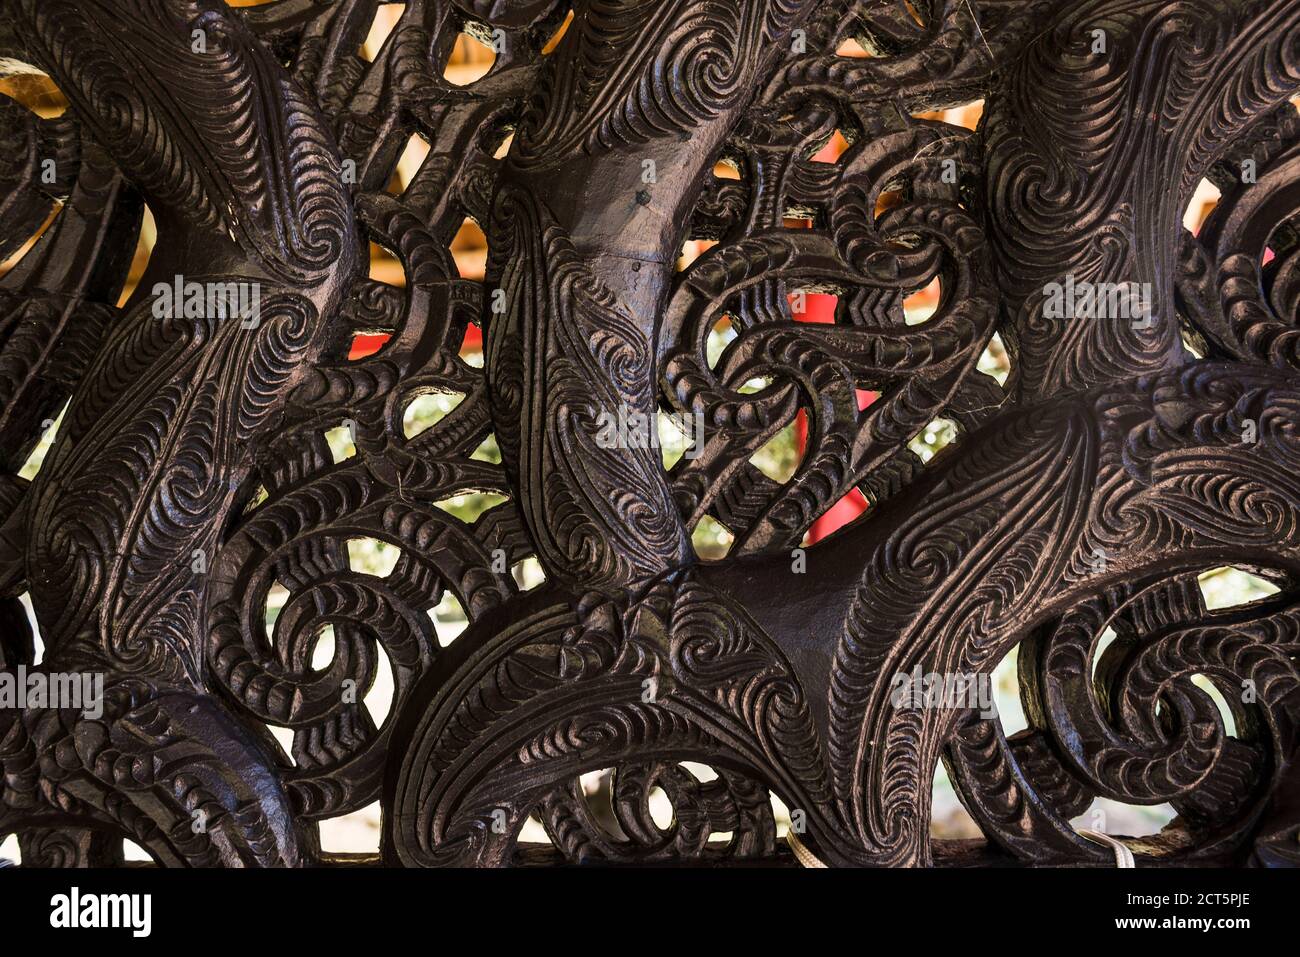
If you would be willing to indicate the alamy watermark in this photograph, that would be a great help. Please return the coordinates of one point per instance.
(917, 690)
(82, 692)
(75, 910)
(629, 429)
(1130, 301)
(208, 300)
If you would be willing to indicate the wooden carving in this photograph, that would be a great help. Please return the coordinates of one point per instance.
(1150, 429)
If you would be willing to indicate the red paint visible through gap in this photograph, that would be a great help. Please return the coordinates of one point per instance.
(819, 307)
(367, 344)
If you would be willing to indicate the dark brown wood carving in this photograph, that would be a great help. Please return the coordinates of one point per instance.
(1148, 432)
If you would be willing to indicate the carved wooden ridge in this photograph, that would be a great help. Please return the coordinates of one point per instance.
(1147, 432)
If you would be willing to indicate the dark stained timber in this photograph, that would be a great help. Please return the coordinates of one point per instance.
(1149, 430)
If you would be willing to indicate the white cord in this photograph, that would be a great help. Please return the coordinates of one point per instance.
(1123, 856)
(805, 857)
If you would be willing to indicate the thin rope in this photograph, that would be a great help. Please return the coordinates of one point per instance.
(1123, 856)
(805, 857)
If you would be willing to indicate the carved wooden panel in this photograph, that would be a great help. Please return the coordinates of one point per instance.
(1148, 430)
